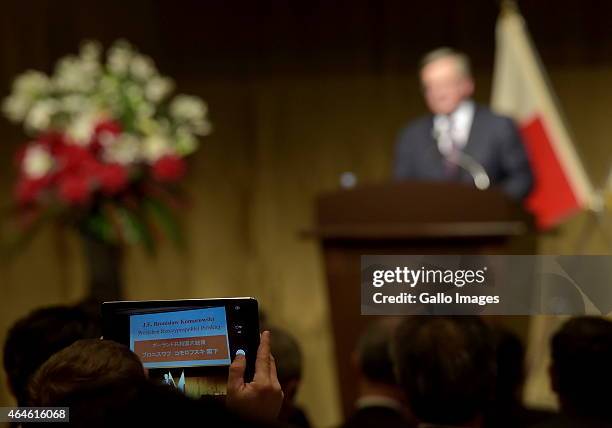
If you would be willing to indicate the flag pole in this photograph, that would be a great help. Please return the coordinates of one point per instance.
(599, 215)
(506, 6)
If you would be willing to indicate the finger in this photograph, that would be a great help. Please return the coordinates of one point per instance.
(262, 363)
(273, 372)
(235, 378)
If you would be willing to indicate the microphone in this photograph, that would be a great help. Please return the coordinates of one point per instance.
(461, 159)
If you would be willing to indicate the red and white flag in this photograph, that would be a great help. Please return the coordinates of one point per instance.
(521, 90)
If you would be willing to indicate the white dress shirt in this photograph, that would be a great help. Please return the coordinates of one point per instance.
(456, 126)
(378, 401)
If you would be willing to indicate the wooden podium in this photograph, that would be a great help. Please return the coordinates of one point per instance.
(405, 218)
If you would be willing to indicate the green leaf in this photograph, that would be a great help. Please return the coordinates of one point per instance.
(166, 219)
(97, 225)
(135, 229)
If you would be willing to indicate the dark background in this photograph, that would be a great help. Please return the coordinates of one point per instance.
(239, 39)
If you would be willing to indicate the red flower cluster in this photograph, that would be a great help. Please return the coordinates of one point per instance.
(75, 173)
(169, 168)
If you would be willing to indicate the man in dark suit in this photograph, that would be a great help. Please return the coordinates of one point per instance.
(461, 140)
(381, 402)
(581, 374)
(446, 367)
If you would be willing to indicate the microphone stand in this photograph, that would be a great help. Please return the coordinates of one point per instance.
(462, 160)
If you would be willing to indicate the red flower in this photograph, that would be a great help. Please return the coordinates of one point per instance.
(77, 168)
(74, 189)
(110, 128)
(169, 168)
(28, 189)
(72, 159)
(113, 178)
(53, 140)
(30, 186)
(20, 155)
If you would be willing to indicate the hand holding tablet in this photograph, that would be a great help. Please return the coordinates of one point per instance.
(261, 398)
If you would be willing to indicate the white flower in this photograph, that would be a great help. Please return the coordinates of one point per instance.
(124, 86)
(119, 56)
(138, 103)
(40, 115)
(91, 69)
(75, 104)
(158, 88)
(187, 108)
(191, 112)
(31, 83)
(26, 88)
(15, 107)
(90, 51)
(201, 127)
(107, 138)
(186, 143)
(124, 150)
(89, 58)
(82, 127)
(110, 90)
(37, 162)
(142, 67)
(155, 147)
(74, 75)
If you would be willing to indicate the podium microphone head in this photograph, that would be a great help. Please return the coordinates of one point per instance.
(481, 181)
(348, 180)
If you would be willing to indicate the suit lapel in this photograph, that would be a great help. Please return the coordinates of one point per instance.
(476, 136)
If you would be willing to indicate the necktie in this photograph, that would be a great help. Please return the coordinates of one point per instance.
(451, 159)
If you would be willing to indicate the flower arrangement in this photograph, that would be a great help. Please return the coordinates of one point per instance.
(108, 143)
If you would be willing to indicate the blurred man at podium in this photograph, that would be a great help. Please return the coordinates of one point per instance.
(460, 140)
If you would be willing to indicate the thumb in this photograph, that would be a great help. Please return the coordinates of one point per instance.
(235, 379)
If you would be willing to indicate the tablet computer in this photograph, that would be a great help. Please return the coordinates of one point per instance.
(187, 344)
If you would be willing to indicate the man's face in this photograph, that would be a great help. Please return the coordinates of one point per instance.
(444, 85)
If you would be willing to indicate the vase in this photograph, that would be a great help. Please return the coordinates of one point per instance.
(104, 263)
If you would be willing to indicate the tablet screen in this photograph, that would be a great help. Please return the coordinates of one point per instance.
(189, 338)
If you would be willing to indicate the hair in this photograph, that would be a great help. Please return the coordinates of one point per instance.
(86, 365)
(104, 385)
(34, 338)
(510, 355)
(581, 357)
(287, 355)
(374, 354)
(446, 367)
(461, 59)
